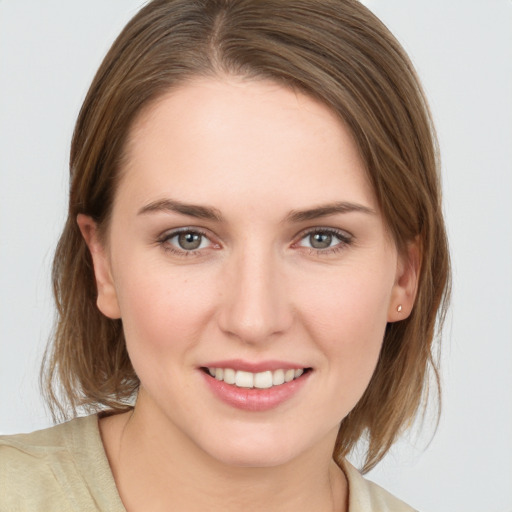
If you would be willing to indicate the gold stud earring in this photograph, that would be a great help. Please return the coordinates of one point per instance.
(399, 308)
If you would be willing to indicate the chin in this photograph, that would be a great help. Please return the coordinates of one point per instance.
(259, 449)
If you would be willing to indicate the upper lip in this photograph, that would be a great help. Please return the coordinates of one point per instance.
(254, 367)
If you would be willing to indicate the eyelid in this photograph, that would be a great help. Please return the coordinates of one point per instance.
(345, 238)
(169, 234)
(342, 234)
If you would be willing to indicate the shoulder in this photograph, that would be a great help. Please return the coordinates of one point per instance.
(366, 496)
(42, 446)
(37, 449)
(49, 469)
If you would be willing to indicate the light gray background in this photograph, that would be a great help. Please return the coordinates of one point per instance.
(49, 51)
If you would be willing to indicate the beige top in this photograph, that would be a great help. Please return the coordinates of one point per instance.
(65, 469)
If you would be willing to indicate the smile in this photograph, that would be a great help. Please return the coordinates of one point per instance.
(255, 391)
(261, 380)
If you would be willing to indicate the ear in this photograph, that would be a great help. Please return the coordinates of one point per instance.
(107, 297)
(406, 282)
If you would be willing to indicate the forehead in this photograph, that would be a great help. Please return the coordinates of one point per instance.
(247, 139)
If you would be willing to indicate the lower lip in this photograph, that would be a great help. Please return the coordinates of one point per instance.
(254, 399)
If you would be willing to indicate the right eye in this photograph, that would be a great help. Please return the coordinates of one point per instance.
(185, 241)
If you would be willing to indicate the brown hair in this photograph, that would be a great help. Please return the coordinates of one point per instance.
(334, 50)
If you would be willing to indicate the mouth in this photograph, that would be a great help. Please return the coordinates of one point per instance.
(255, 387)
(260, 380)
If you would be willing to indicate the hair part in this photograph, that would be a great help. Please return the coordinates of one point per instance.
(335, 51)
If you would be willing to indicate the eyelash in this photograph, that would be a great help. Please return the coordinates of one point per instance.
(164, 241)
(345, 239)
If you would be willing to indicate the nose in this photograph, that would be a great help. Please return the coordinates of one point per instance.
(255, 306)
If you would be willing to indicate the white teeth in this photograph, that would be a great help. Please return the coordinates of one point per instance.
(278, 377)
(229, 376)
(260, 380)
(289, 375)
(263, 380)
(244, 379)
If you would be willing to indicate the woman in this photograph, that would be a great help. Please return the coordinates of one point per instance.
(254, 254)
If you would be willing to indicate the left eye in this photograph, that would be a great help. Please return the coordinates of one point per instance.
(188, 240)
(322, 240)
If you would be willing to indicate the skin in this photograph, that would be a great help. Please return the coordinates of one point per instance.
(255, 290)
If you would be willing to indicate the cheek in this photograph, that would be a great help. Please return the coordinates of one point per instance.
(353, 304)
(347, 319)
(162, 308)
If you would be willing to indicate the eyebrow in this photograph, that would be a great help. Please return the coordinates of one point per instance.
(328, 209)
(191, 210)
(210, 213)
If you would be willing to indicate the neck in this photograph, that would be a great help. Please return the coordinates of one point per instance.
(155, 464)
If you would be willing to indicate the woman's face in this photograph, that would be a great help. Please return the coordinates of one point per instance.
(246, 242)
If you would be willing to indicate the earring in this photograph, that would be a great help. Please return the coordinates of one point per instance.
(399, 308)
